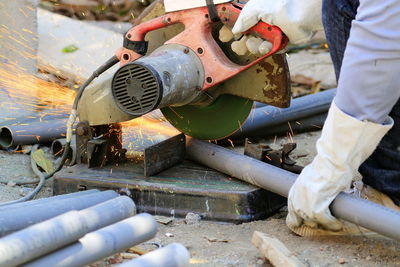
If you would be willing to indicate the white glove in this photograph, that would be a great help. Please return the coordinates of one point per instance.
(298, 19)
(344, 144)
(254, 45)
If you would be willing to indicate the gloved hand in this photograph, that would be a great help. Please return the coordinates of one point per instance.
(344, 144)
(254, 45)
(298, 19)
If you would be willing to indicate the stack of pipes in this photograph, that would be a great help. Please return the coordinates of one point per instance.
(29, 133)
(78, 229)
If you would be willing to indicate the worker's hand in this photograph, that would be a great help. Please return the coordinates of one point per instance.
(244, 43)
(344, 144)
(298, 19)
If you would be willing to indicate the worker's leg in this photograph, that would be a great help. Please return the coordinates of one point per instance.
(382, 169)
(337, 16)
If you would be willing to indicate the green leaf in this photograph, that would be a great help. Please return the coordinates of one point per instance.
(70, 49)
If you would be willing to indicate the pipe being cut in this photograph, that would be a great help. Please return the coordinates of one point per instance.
(50, 235)
(309, 124)
(264, 118)
(355, 210)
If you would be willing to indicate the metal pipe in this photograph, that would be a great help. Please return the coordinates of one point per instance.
(30, 119)
(313, 123)
(57, 149)
(32, 133)
(12, 220)
(262, 119)
(50, 235)
(47, 200)
(384, 221)
(102, 243)
(48, 115)
(173, 255)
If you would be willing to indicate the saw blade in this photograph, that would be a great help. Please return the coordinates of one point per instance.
(216, 121)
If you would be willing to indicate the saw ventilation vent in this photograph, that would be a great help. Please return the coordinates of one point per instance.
(136, 89)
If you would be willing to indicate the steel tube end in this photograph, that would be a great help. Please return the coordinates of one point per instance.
(6, 137)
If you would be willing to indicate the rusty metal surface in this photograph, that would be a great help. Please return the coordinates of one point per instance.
(99, 145)
(268, 81)
(83, 135)
(97, 153)
(164, 155)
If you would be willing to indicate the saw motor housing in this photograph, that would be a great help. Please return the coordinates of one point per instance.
(170, 76)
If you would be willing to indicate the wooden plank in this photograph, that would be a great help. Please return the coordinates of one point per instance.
(275, 251)
(95, 45)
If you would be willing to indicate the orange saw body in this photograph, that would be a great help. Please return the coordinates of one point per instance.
(197, 36)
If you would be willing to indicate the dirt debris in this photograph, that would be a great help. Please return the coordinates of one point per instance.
(16, 167)
(192, 218)
(240, 252)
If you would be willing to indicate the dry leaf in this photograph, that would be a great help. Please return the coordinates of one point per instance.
(40, 158)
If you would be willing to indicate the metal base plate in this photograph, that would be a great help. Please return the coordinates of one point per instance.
(216, 121)
(185, 188)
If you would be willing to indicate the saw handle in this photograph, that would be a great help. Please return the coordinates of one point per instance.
(229, 13)
(198, 37)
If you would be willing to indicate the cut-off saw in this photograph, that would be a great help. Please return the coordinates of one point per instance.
(175, 62)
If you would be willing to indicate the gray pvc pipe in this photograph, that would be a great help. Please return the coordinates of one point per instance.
(173, 255)
(32, 133)
(384, 221)
(102, 243)
(47, 200)
(50, 235)
(12, 220)
(262, 119)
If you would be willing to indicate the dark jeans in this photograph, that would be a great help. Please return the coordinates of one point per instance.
(382, 169)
